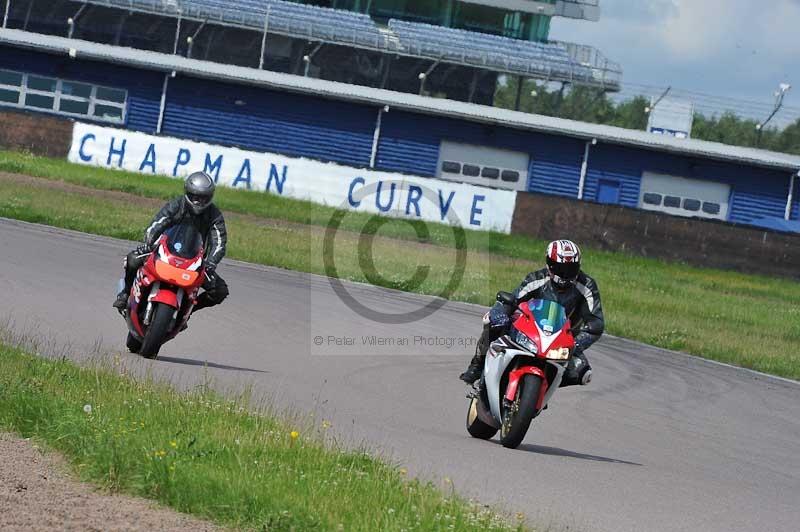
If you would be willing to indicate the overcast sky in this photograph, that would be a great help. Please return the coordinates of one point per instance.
(734, 48)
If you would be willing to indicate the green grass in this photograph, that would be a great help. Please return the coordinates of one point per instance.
(740, 319)
(215, 458)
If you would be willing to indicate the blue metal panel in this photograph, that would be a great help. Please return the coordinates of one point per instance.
(144, 87)
(265, 120)
(410, 144)
(756, 192)
(607, 163)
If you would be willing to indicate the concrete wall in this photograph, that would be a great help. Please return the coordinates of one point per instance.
(697, 242)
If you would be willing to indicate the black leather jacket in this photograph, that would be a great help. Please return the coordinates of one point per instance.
(210, 223)
(581, 301)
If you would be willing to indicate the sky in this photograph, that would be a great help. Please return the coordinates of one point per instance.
(729, 48)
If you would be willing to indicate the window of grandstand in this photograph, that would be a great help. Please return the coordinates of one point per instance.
(684, 197)
(53, 95)
(481, 165)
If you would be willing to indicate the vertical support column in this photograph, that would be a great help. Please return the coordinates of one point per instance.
(5, 16)
(163, 105)
(177, 33)
(518, 99)
(790, 199)
(264, 38)
(585, 168)
(376, 137)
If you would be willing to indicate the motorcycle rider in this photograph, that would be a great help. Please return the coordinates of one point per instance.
(561, 281)
(195, 206)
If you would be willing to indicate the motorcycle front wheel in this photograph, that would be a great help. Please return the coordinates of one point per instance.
(518, 416)
(157, 331)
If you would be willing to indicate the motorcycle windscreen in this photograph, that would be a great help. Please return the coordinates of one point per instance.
(184, 241)
(549, 315)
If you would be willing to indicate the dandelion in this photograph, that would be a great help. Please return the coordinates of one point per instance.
(173, 444)
(160, 454)
(87, 409)
(294, 435)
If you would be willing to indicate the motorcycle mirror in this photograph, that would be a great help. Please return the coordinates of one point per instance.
(507, 298)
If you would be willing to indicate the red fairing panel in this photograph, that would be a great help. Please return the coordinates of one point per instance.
(168, 297)
(513, 383)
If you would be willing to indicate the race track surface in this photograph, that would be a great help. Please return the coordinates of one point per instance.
(659, 440)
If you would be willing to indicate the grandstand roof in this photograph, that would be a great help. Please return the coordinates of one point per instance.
(380, 97)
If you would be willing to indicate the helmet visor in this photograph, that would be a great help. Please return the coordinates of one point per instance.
(567, 271)
(198, 200)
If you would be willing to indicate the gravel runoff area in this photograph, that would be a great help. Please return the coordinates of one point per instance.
(36, 493)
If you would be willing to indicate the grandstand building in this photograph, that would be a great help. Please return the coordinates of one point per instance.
(448, 48)
(341, 83)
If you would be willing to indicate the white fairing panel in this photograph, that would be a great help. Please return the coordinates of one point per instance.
(494, 367)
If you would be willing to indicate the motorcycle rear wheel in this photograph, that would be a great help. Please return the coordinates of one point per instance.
(157, 331)
(517, 418)
(476, 427)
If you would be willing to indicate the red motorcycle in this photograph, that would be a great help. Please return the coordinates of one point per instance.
(522, 371)
(165, 290)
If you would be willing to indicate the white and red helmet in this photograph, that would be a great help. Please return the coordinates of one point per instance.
(563, 262)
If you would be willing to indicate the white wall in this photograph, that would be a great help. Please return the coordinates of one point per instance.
(394, 195)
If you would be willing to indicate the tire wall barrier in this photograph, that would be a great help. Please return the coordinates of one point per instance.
(35, 133)
(697, 242)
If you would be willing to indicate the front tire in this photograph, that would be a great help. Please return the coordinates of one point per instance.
(157, 332)
(518, 416)
(476, 427)
(133, 344)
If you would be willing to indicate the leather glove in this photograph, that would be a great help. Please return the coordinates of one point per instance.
(498, 317)
(210, 271)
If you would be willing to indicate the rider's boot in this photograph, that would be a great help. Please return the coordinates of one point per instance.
(474, 370)
(578, 371)
(121, 302)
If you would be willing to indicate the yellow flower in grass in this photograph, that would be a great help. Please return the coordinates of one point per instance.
(160, 454)
(294, 435)
(326, 424)
(173, 444)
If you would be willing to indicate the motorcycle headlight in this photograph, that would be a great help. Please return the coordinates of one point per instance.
(560, 353)
(522, 340)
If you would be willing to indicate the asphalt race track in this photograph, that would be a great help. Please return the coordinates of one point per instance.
(659, 441)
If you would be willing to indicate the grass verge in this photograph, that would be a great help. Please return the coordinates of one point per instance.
(214, 458)
(739, 319)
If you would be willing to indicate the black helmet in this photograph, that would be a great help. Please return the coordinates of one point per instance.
(563, 262)
(199, 189)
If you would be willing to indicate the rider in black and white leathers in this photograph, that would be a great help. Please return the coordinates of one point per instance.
(581, 300)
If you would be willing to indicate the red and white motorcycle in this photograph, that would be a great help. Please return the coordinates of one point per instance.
(523, 369)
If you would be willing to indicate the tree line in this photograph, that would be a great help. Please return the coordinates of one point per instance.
(588, 104)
